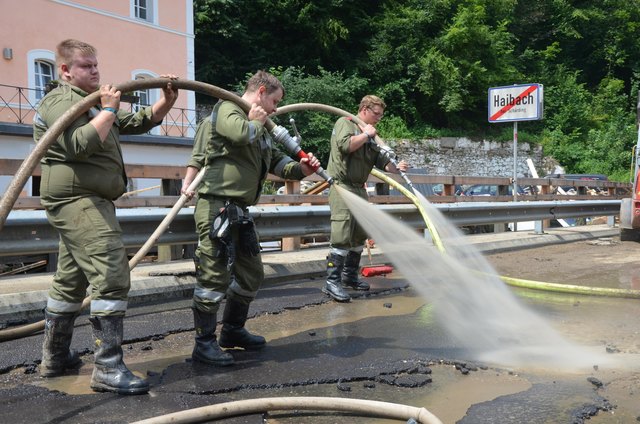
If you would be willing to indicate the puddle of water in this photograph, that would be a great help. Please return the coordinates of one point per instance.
(470, 301)
(332, 315)
(177, 348)
(451, 396)
(448, 397)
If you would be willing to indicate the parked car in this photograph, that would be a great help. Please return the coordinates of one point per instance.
(489, 190)
(438, 190)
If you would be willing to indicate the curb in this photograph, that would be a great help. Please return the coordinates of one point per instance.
(175, 280)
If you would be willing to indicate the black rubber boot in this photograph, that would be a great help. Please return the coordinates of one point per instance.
(56, 355)
(350, 273)
(333, 286)
(207, 349)
(233, 334)
(110, 374)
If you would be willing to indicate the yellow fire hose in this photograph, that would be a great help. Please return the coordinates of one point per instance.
(515, 282)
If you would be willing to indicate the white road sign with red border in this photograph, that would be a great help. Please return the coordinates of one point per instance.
(515, 103)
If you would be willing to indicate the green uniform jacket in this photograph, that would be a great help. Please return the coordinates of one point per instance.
(80, 165)
(238, 154)
(352, 168)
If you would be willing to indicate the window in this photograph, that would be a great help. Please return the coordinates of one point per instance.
(143, 99)
(147, 97)
(41, 69)
(144, 10)
(43, 74)
(140, 7)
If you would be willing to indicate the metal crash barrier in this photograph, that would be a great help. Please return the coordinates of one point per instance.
(27, 232)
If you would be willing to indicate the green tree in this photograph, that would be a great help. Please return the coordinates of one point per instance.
(433, 62)
(330, 88)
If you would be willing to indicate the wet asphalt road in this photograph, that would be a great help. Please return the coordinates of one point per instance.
(393, 352)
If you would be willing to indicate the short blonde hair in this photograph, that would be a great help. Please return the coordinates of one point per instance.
(370, 101)
(269, 81)
(66, 49)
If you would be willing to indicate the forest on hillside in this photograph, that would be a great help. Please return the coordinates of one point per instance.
(432, 61)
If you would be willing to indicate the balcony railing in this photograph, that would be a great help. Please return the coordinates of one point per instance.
(17, 106)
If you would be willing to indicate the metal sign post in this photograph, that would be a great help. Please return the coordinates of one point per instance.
(515, 160)
(515, 103)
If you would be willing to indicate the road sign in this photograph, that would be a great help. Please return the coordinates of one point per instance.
(515, 103)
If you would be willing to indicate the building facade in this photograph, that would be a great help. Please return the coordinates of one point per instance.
(134, 38)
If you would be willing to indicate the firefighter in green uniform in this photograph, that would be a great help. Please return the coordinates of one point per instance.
(238, 153)
(353, 155)
(82, 173)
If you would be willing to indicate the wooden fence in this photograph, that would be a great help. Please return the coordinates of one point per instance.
(540, 188)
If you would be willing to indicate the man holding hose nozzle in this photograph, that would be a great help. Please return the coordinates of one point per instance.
(82, 173)
(354, 153)
(238, 152)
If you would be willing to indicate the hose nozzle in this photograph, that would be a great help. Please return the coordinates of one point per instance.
(292, 144)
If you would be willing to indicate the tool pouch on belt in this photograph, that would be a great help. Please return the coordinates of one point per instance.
(220, 231)
(247, 238)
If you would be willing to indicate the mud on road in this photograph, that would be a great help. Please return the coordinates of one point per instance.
(384, 347)
(608, 323)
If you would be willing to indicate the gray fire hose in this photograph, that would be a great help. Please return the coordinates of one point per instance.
(368, 408)
(280, 134)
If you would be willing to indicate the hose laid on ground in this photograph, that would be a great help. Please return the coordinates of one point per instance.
(367, 408)
(437, 240)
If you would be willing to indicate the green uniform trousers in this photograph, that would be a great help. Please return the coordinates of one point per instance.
(214, 280)
(346, 233)
(91, 253)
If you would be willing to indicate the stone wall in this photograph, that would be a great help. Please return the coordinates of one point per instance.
(461, 156)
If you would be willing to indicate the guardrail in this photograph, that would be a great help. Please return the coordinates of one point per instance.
(29, 233)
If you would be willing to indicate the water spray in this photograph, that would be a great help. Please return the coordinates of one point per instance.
(437, 239)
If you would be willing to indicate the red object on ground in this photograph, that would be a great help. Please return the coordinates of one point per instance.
(370, 271)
